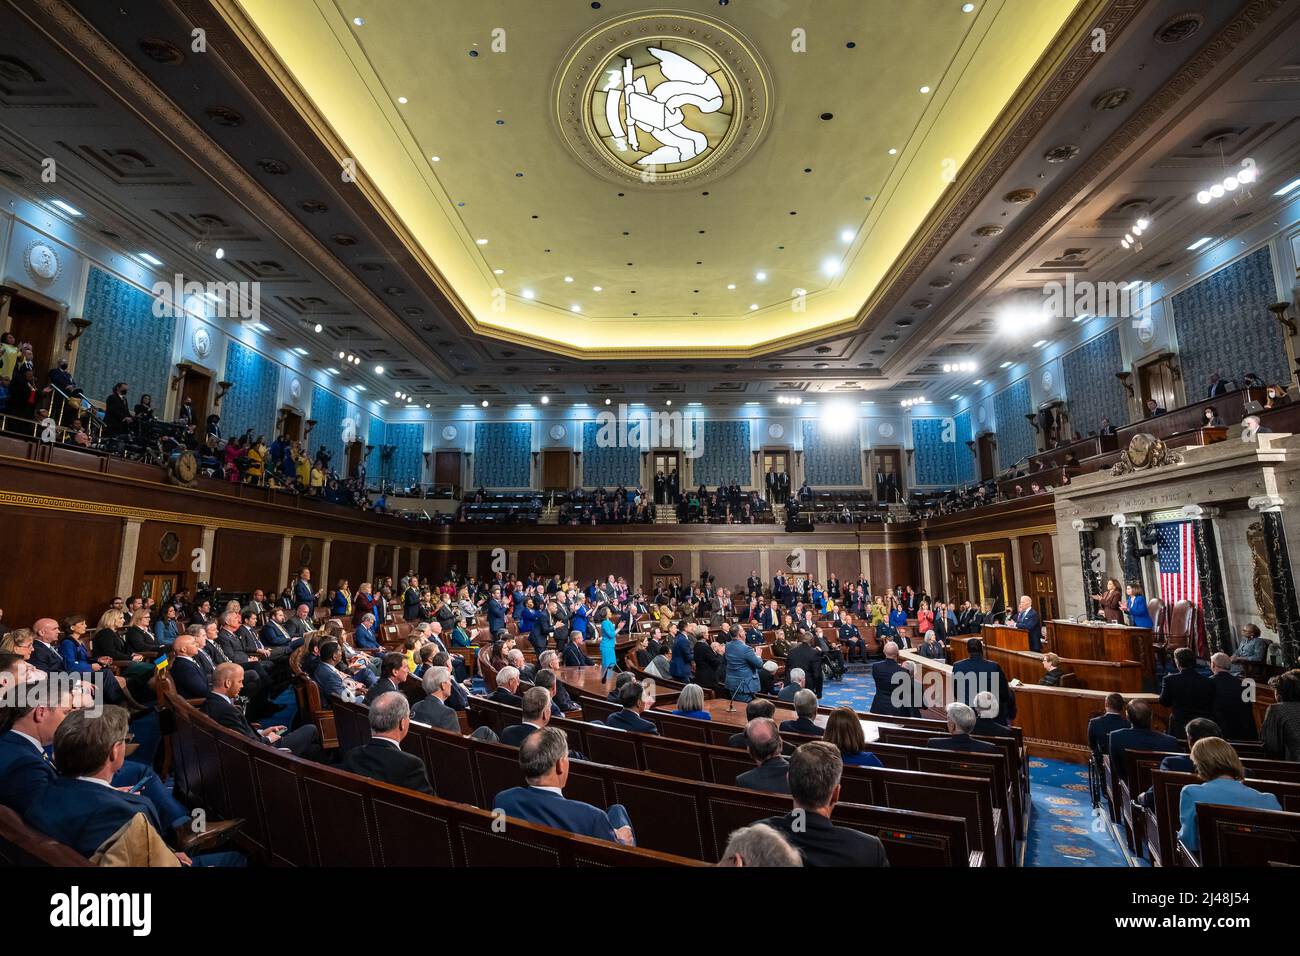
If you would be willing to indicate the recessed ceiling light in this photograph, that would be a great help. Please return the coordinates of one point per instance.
(358, 21)
(359, 387)
(753, 306)
(978, 381)
(830, 267)
(925, 89)
(546, 399)
(668, 402)
(435, 159)
(846, 235)
(731, 285)
(428, 404)
(69, 209)
(300, 350)
(220, 253)
(968, 8)
(568, 278)
(332, 371)
(1290, 187)
(527, 293)
(694, 404)
(760, 276)
(1005, 365)
(481, 242)
(402, 100)
(261, 327)
(575, 308)
(596, 288)
(383, 401)
(151, 259)
(379, 370)
(484, 403)
(497, 272)
(1199, 242)
(1040, 343)
(893, 151)
(607, 401)
(318, 327)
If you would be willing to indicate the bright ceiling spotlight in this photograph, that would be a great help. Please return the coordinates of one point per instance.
(1203, 197)
(837, 417)
(220, 253)
(1230, 183)
(846, 235)
(546, 399)
(379, 370)
(1216, 191)
(318, 328)
(607, 401)
(760, 276)
(1246, 175)
(527, 293)
(484, 403)
(342, 354)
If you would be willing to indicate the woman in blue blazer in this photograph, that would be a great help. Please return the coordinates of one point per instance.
(164, 629)
(1219, 766)
(897, 615)
(608, 660)
(1137, 607)
(72, 647)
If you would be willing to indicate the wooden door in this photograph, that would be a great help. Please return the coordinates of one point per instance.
(446, 469)
(355, 451)
(159, 585)
(1156, 380)
(197, 387)
(986, 452)
(292, 424)
(557, 469)
(665, 581)
(1042, 588)
(38, 324)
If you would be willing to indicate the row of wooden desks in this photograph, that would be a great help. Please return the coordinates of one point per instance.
(1090, 642)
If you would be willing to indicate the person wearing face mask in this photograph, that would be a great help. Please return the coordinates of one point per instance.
(1275, 397)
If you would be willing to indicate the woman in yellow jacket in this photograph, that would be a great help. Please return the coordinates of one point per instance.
(256, 462)
(302, 468)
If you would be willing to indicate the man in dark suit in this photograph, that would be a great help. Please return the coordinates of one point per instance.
(1217, 386)
(83, 808)
(806, 657)
(393, 672)
(496, 612)
(1099, 728)
(961, 723)
(1138, 736)
(976, 674)
(758, 707)
(544, 760)
(561, 700)
(536, 709)
(635, 699)
(1233, 712)
(897, 692)
(814, 779)
(382, 757)
(275, 634)
(303, 593)
(187, 673)
(433, 710)
(763, 741)
(507, 691)
(805, 708)
(220, 706)
(300, 623)
(117, 413)
(1197, 729)
(796, 680)
(985, 705)
(1188, 693)
(574, 654)
(1027, 620)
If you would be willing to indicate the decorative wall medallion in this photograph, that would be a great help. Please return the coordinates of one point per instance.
(1146, 329)
(202, 342)
(1018, 197)
(449, 433)
(295, 388)
(304, 554)
(1048, 380)
(1036, 551)
(557, 432)
(775, 430)
(1111, 99)
(988, 232)
(1145, 452)
(982, 414)
(42, 262)
(661, 98)
(666, 562)
(886, 430)
(1179, 28)
(168, 547)
(1062, 153)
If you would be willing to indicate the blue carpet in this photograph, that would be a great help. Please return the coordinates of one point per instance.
(856, 690)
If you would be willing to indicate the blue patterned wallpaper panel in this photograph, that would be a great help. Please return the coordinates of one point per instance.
(831, 458)
(609, 467)
(1091, 387)
(374, 438)
(724, 454)
(1224, 325)
(126, 342)
(1015, 434)
(407, 465)
(329, 411)
(933, 458)
(251, 402)
(965, 457)
(502, 453)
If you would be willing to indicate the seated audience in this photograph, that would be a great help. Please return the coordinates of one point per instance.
(1052, 671)
(763, 741)
(796, 681)
(844, 730)
(1220, 767)
(433, 710)
(507, 691)
(1280, 733)
(1137, 736)
(227, 682)
(535, 706)
(690, 703)
(392, 674)
(814, 781)
(1099, 728)
(759, 845)
(961, 722)
(805, 709)
(1188, 693)
(635, 698)
(381, 757)
(1234, 708)
(544, 760)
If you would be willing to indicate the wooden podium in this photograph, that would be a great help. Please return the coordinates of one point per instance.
(1093, 640)
(1006, 636)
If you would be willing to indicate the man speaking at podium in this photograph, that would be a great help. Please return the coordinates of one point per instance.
(1027, 620)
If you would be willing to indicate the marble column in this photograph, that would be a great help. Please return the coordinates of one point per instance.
(1092, 583)
(1285, 604)
(286, 555)
(1018, 583)
(1214, 608)
(1130, 565)
(370, 567)
(127, 557)
(926, 584)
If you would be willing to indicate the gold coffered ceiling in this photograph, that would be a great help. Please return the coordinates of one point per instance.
(813, 204)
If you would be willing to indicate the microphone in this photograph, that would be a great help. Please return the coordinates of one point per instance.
(731, 704)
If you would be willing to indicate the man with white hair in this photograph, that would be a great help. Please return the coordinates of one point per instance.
(759, 845)
(433, 710)
(985, 706)
(550, 662)
(381, 757)
(507, 691)
(897, 692)
(1234, 714)
(796, 682)
(516, 660)
(536, 713)
(961, 721)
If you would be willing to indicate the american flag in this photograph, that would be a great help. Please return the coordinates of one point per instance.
(1178, 580)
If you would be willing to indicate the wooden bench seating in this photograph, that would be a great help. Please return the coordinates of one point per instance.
(1163, 822)
(688, 817)
(299, 813)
